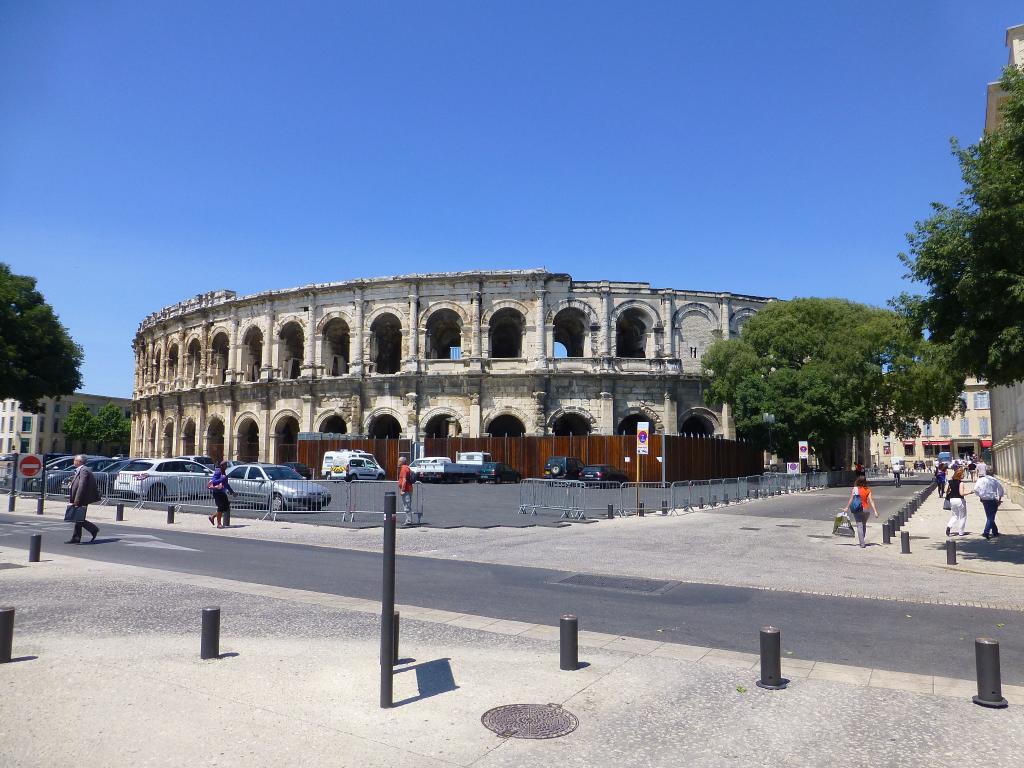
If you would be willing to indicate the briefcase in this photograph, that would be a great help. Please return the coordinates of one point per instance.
(74, 514)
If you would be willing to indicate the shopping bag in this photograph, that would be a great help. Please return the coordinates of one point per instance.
(946, 504)
(74, 514)
(842, 526)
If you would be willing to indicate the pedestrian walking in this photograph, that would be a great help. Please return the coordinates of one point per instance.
(219, 489)
(957, 504)
(982, 467)
(82, 493)
(861, 500)
(405, 485)
(897, 474)
(990, 491)
(940, 478)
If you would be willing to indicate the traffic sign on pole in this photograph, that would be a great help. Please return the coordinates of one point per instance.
(643, 438)
(804, 450)
(30, 465)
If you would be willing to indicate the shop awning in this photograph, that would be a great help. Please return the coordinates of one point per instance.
(908, 442)
(936, 442)
(986, 443)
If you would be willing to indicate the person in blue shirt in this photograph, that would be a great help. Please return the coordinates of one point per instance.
(220, 488)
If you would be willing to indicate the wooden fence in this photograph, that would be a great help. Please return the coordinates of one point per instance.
(689, 458)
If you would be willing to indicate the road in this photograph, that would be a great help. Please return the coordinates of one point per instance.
(908, 637)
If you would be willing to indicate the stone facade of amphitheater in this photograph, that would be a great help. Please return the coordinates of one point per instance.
(415, 356)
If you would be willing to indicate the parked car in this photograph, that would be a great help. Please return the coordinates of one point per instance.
(334, 462)
(206, 461)
(602, 473)
(496, 472)
(362, 468)
(299, 467)
(68, 462)
(563, 468)
(429, 469)
(277, 484)
(160, 479)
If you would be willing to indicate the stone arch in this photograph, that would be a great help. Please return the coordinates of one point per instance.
(173, 361)
(506, 329)
(193, 360)
(335, 314)
(167, 439)
(377, 420)
(436, 306)
(285, 431)
(572, 420)
(635, 324)
(247, 437)
(739, 319)
(506, 422)
(651, 314)
(215, 438)
(588, 311)
(152, 444)
(442, 334)
(284, 320)
(188, 437)
(570, 330)
(386, 309)
(253, 341)
(333, 423)
(695, 308)
(499, 305)
(635, 414)
(386, 332)
(293, 348)
(695, 327)
(442, 412)
(220, 353)
(336, 344)
(699, 421)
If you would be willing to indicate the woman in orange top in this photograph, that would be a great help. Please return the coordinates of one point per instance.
(867, 501)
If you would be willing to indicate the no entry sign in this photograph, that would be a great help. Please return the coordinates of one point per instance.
(30, 465)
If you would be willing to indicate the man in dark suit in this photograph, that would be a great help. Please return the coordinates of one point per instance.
(84, 492)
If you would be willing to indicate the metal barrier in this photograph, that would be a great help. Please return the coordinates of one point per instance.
(564, 496)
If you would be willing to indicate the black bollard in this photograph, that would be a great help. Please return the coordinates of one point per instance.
(771, 660)
(990, 687)
(904, 542)
(39, 505)
(394, 659)
(611, 511)
(35, 546)
(568, 643)
(701, 502)
(170, 514)
(886, 534)
(664, 507)
(950, 552)
(6, 634)
(119, 513)
(387, 616)
(725, 499)
(640, 509)
(894, 523)
(11, 497)
(209, 647)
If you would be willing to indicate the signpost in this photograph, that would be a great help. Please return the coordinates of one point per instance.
(804, 453)
(643, 444)
(792, 467)
(30, 465)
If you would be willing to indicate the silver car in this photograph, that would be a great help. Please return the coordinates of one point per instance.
(277, 485)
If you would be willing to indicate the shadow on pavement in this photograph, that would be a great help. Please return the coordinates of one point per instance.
(432, 678)
(1002, 549)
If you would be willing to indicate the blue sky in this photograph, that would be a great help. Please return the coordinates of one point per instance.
(150, 151)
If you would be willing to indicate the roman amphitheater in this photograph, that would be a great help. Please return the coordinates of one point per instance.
(473, 353)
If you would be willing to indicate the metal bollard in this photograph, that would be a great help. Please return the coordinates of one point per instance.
(119, 513)
(39, 504)
(6, 634)
(886, 534)
(568, 643)
(904, 542)
(771, 660)
(35, 546)
(990, 687)
(664, 507)
(950, 552)
(394, 659)
(210, 645)
(700, 505)
(611, 511)
(170, 514)
(10, 500)
(894, 524)
(726, 499)
(640, 509)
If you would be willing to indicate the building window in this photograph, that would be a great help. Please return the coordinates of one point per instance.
(931, 450)
(26, 423)
(693, 353)
(944, 427)
(981, 401)
(56, 425)
(24, 447)
(908, 449)
(965, 427)
(56, 407)
(928, 429)
(983, 425)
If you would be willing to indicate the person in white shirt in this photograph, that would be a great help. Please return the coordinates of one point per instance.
(982, 468)
(990, 492)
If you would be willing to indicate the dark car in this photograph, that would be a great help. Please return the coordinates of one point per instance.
(299, 467)
(602, 473)
(496, 472)
(562, 468)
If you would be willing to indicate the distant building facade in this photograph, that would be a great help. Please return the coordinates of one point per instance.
(508, 352)
(1008, 402)
(24, 432)
(965, 432)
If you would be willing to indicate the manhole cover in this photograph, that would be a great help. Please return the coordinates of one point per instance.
(625, 583)
(530, 721)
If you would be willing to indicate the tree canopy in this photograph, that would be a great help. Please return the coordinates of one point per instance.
(37, 355)
(79, 423)
(827, 369)
(970, 256)
(111, 426)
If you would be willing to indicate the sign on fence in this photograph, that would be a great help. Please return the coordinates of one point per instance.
(792, 467)
(643, 438)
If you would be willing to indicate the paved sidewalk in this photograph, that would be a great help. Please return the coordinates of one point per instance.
(110, 676)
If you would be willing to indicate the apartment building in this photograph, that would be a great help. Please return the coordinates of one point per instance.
(24, 432)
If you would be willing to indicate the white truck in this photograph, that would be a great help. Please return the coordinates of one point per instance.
(441, 469)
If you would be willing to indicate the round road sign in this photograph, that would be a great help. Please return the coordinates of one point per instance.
(30, 465)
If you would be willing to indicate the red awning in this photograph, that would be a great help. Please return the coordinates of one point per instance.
(986, 443)
(908, 442)
(936, 442)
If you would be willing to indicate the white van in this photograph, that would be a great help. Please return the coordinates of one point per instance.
(335, 463)
(473, 457)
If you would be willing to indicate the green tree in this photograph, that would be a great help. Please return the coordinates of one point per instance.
(110, 426)
(37, 355)
(970, 256)
(79, 424)
(827, 369)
